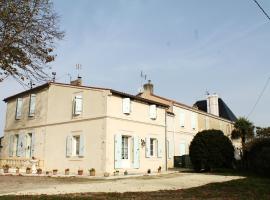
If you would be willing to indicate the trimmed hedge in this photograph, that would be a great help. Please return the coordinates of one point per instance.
(211, 149)
(257, 156)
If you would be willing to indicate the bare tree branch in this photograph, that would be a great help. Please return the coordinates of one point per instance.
(28, 32)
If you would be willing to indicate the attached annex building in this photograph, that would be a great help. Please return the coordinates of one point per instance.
(79, 127)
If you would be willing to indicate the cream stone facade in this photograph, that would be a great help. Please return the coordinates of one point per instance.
(184, 122)
(77, 127)
(95, 137)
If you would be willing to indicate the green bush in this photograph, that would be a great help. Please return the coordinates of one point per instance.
(257, 156)
(211, 149)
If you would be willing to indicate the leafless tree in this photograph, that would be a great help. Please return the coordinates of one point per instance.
(28, 32)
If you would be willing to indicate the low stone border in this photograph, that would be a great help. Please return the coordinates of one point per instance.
(87, 176)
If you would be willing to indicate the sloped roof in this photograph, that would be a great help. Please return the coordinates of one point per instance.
(115, 92)
(224, 110)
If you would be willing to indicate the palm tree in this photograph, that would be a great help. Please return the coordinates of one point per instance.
(243, 129)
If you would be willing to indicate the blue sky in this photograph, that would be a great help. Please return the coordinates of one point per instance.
(184, 46)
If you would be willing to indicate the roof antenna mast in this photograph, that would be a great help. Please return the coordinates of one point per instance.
(78, 68)
(143, 78)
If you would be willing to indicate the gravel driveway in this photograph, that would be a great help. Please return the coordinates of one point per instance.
(45, 185)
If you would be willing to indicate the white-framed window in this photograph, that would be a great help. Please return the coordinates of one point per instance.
(193, 121)
(182, 149)
(19, 106)
(153, 112)
(75, 145)
(32, 105)
(182, 118)
(16, 144)
(153, 147)
(126, 106)
(124, 147)
(77, 107)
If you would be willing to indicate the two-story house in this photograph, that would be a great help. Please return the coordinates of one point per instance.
(77, 127)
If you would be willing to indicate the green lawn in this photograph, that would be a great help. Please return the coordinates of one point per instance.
(252, 187)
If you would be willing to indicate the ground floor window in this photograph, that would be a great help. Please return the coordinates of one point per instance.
(124, 147)
(76, 145)
(153, 148)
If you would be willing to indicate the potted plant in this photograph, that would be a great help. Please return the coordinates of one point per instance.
(67, 171)
(159, 169)
(6, 168)
(47, 173)
(55, 171)
(17, 170)
(126, 172)
(92, 172)
(80, 172)
(39, 171)
(149, 171)
(116, 173)
(106, 174)
(28, 170)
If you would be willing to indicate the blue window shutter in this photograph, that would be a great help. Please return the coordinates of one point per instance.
(19, 108)
(117, 151)
(33, 145)
(147, 147)
(78, 105)
(160, 149)
(136, 145)
(81, 152)
(24, 146)
(32, 105)
(20, 145)
(126, 106)
(11, 145)
(69, 146)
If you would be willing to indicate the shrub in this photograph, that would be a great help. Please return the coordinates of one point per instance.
(211, 149)
(257, 156)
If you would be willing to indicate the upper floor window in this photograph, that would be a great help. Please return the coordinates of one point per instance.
(32, 105)
(182, 119)
(153, 111)
(126, 106)
(193, 121)
(77, 107)
(19, 106)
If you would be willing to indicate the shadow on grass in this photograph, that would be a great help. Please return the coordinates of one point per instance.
(251, 187)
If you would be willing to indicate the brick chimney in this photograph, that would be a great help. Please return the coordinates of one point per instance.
(77, 82)
(148, 87)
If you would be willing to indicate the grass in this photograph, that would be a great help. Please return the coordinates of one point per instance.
(251, 187)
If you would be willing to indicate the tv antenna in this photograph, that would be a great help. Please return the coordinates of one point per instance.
(78, 68)
(31, 84)
(54, 74)
(143, 77)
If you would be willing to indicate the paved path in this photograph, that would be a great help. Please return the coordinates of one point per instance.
(44, 185)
